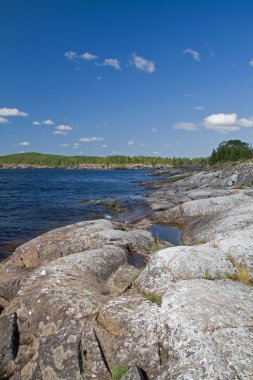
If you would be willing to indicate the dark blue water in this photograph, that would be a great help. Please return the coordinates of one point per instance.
(33, 201)
(166, 232)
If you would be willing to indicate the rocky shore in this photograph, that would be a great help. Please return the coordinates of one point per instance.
(73, 305)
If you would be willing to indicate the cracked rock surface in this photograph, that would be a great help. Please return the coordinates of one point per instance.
(72, 306)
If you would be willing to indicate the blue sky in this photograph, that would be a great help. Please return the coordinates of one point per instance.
(168, 78)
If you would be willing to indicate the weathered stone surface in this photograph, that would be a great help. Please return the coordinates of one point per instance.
(207, 328)
(237, 245)
(8, 345)
(128, 332)
(75, 238)
(66, 292)
(134, 373)
(183, 263)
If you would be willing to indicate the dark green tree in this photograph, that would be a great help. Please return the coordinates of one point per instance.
(231, 150)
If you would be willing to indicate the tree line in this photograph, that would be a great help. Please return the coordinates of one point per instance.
(231, 150)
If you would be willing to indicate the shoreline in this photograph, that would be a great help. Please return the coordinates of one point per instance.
(74, 290)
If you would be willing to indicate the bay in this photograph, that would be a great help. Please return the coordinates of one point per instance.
(33, 201)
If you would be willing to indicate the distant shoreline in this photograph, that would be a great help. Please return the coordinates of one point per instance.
(88, 167)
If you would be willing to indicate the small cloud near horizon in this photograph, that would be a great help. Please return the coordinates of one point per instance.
(91, 139)
(3, 120)
(62, 129)
(186, 126)
(199, 108)
(23, 143)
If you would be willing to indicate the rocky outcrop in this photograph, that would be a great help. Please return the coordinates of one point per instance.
(73, 307)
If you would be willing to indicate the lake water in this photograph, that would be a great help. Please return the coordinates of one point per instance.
(33, 201)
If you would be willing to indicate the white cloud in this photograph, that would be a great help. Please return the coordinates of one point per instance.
(76, 145)
(12, 112)
(141, 144)
(98, 77)
(71, 55)
(104, 146)
(36, 122)
(251, 62)
(156, 153)
(91, 139)
(167, 146)
(23, 143)
(186, 126)
(154, 130)
(195, 54)
(112, 63)
(224, 123)
(62, 129)
(47, 122)
(88, 56)
(247, 123)
(199, 108)
(64, 145)
(220, 119)
(3, 120)
(143, 64)
(131, 142)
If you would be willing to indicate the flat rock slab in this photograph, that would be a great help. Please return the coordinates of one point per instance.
(207, 327)
(183, 263)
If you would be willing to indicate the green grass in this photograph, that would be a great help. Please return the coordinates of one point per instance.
(152, 298)
(118, 372)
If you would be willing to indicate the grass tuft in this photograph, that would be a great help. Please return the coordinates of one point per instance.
(152, 298)
(119, 371)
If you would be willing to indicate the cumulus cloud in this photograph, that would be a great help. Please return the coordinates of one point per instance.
(88, 56)
(224, 123)
(251, 62)
(195, 54)
(12, 112)
(91, 139)
(3, 120)
(71, 55)
(62, 129)
(154, 130)
(199, 108)
(104, 146)
(112, 62)
(186, 126)
(23, 143)
(47, 122)
(36, 122)
(167, 146)
(143, 64)
(220, 119)
(131, 142)
(64, 145)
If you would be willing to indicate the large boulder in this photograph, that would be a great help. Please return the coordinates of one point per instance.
(75, 238)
